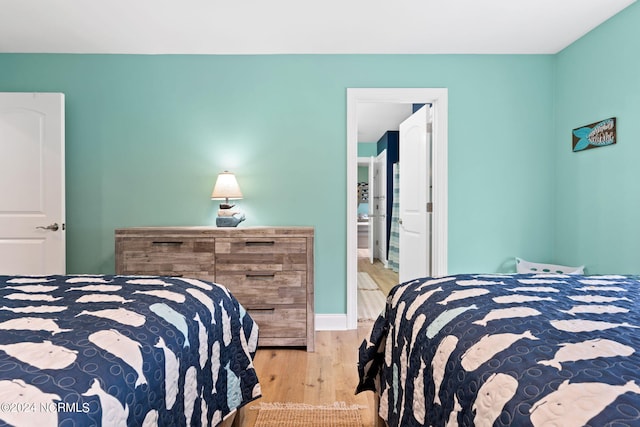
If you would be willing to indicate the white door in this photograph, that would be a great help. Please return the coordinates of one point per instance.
(380, 206)
(32, 207)
(371, 213)
(415, 195)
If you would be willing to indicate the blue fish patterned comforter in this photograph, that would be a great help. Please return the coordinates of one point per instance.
(122, 350)
(507, 350)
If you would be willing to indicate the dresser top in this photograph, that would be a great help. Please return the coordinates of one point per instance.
(219, 231)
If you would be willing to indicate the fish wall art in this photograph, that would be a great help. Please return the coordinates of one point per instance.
(598, 134)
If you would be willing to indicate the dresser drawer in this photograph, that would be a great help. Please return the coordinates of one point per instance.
(261, 245)
(167, 257)
(289, 287)
(279, 322)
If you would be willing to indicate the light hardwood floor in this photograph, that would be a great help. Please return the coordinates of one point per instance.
(328, 375)
(385, 278)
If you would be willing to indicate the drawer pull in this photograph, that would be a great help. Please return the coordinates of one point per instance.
(267, 243)
(160, 242)
(260, 276)
(261, 309)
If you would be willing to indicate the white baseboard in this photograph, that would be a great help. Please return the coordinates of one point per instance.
(331, 322)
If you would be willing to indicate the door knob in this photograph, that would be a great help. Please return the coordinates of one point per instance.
(52, 227)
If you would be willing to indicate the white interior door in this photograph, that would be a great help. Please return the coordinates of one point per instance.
(380, 206)
(32, 197)
(371, 213)
(415, 195)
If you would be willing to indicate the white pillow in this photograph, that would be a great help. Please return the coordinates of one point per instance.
(523, 266)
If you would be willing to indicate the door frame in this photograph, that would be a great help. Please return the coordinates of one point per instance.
(368, 163)
(438, 97)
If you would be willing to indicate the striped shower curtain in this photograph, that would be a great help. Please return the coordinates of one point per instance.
(394, 243)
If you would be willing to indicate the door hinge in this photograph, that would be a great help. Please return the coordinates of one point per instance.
(429, 207)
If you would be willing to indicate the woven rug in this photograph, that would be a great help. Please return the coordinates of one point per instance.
(371, 300)
(303, 415)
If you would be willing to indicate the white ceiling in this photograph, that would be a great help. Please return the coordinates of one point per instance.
(298, 26)
(374, 119)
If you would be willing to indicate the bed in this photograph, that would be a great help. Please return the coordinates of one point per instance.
(122, 350)
(502, 350)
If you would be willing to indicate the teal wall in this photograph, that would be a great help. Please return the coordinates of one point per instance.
(367, 149)
(597, 194)
(147, 135)
(363, 173)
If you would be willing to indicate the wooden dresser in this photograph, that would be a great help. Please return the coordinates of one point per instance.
(268, 269)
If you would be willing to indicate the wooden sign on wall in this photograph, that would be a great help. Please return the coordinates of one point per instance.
(595, 135)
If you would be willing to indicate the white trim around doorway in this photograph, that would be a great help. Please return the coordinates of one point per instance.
(438, 97)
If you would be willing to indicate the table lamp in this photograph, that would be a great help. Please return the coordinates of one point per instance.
(227, 188)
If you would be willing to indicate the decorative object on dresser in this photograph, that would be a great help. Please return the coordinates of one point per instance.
(226, 188)
(268, 269)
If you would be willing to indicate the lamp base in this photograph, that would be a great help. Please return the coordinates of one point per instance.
(230, 221)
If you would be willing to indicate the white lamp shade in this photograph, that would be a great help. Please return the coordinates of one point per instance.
(226, 187)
